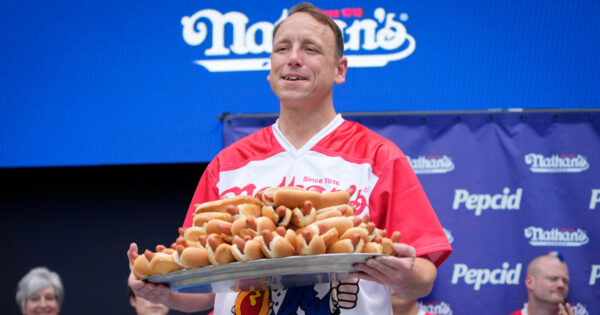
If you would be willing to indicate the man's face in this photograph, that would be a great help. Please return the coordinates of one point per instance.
(551, 283)
(303, 63)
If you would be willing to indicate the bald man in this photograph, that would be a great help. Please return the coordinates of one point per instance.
(547, 285)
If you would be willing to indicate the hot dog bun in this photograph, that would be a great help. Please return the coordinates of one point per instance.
(221, 205)
(201, 218)
(310, 243)
(274, 245)
(247, 248)
(140, 267)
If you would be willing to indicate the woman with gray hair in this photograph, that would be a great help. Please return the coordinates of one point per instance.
(40, 291)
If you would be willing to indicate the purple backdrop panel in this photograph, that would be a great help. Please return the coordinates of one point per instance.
(507, 187)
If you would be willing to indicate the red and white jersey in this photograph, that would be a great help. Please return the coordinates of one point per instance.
(342, 155)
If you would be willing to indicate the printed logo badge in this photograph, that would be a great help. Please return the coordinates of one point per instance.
(370, 42)
(556, 237)
(564, 163)
(480, 202)
(482, 276)
(440, 308)
(431, 164)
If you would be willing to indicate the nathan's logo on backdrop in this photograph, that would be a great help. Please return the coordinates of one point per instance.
(579, 309)
(482, 276)
(431, 164)
(441, 308)
(595, 274)
(556, 237)
(480, 202)
(449, 235)
(595, 199)
(564, 163)
(237, 44)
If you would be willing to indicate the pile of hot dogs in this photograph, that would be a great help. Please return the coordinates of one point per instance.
(278, 222)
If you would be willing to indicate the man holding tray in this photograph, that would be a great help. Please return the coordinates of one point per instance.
(310, 145)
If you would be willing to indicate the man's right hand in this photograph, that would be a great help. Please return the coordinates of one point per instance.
(156, 293)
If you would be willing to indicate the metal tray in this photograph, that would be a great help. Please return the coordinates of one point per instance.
(262, 274)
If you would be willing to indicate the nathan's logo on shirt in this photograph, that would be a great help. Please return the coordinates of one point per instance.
(369, 42)
(594, 274)
(556, 237)
(564, 163)
(358, 200)
(480, 202)
(441, 308)
(431, 164)
(449, 235)
(478, 277)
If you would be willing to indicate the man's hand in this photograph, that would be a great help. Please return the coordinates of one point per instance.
(411, 276)
(565, 309)
(156, 293)
(389, 270)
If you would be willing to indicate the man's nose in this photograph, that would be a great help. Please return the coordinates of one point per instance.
(295, 57)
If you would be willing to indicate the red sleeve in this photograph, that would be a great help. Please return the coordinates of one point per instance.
(398, 203)
(205, 191)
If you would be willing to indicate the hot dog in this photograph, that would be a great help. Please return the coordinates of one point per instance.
(354, 244)
(250, 226)
(161, 262)
(282, 215)
(310, 243)
(190, 256)
(276, 245)
(140, 267)
(201, 218)
(304, 216)
(294, 197)
(221, 205)
(246, 248)
(219, 252)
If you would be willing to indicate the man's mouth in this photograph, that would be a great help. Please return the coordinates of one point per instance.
(293, 78)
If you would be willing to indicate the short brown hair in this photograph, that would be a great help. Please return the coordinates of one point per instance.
(323, 18)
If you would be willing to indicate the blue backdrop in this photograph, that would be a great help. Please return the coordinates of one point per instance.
(127, 82)
(507, 187)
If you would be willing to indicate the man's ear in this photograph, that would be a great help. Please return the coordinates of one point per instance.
(529, 282)
(132, 301)
(341, 67)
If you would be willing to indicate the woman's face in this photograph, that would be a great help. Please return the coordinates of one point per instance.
(42, 302)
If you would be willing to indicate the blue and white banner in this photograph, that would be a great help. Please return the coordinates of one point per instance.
(126, 82)
(507, 187)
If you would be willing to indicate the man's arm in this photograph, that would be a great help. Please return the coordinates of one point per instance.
(411, 277)
(156, 293)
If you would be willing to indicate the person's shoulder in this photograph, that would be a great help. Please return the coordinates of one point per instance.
(519, 312)
(256, 146)
(354, 141)
(368, 136)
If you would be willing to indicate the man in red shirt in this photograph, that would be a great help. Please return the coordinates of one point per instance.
(547, 285)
